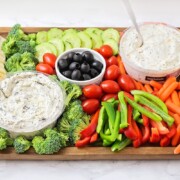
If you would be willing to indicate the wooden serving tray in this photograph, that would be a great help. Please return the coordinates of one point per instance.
(89, 153)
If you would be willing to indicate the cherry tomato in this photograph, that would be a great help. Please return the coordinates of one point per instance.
(90, 106)
(126, 83)
(110, 86)
(50, 59)
(112, 72)
(106, 51)
(109, 96)
(92, 91)
(97, 50)
(111, 61)
(45, 68)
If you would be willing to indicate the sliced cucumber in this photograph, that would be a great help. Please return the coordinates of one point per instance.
(113, 44)
(96, 31)
(43, 48)
(41, 37)
(85, 39)
(67, 46)
(70, 31)
(111, 34)
(96, 41)
(54, 33)
(72, 39)
(58, 43)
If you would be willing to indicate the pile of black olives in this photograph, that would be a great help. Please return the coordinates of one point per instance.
(80, 67)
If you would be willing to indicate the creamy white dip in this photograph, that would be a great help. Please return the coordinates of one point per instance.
(29, 101)
(160, 51)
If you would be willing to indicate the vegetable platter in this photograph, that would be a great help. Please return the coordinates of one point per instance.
(111, 120)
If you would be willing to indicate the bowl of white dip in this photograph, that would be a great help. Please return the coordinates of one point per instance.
(158, 57)
(29, 103)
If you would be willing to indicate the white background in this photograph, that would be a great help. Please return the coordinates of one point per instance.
(87, 13)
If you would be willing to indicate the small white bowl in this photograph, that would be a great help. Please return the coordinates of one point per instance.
(97, 56)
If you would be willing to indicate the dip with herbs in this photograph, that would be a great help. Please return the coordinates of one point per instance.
(160, 50)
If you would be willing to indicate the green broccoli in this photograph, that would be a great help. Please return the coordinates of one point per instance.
(21, 144)
(52, 142)
(32, 36)
(5, 140)
(73, 91)
(25, 46)
(20, 62)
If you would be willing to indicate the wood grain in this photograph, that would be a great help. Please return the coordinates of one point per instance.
(89, 153)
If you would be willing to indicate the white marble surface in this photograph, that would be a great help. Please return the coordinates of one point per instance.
(87, 13)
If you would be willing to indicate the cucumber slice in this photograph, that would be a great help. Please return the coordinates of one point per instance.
(70, 31)
(72, 39)
(96, 41)
(43, 48)
(41, 37)
(85, 39)
(111, 34)
(113, 44)
(58, 43)
(67, 46)
(54, 33)
(96, 31)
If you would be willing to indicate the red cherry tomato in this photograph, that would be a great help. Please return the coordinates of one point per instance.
(92, 91)
(49, 58)
(97, 50)
(109, 96)
(126, 83)
(106, 51)
(111, 61)
(110, 87)
(90, 106)
(112, 72)
(44, 68)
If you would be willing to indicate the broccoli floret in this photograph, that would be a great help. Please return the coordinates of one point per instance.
(52, 142)
(73, 91)
(5, 140)
(25, 46)
(32, 36)
(20, 62)
(21, 144)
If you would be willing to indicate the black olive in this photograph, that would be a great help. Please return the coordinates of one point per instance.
(85, 67)
(77, 58)
(67, 59)
(97, 65)
(93, 72)
(86, 76)
(88, 57)
(71, 55)
(63, 64)
(67, 73)
(74, 65)
(76, 74)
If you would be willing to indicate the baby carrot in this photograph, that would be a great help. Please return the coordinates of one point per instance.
(175, 139)
(176, 119)
(167, 92)
(136, 84)
(155, 84)
(177, 150)
(122, 68)
(172, 107)
(166, 84)
(175, 98)
(178, 87)
(141, 86)
(148, 88)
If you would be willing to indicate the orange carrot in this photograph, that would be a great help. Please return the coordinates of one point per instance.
(166, 84)
(148, 88)
(178, 129)
(179, 94)
(172, 107)
(175, 139)
(155, 89)
(141, 86)
(177, 150)
(167, 92)
(176, 119)
(136, 84)
(121, 68)
(175, 98)
(155, 84)
(178, 87)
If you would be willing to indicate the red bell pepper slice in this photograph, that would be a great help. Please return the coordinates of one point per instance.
(165, 141)
(94, 137)
(155, 137)
(145, 133)
(138, 141)
(88, 131)
(128, 95)
(160, 127)
(172, 131)
(83, 142)
(145, 120)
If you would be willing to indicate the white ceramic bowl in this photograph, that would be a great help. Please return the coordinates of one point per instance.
(141, 74)
(97, 56)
